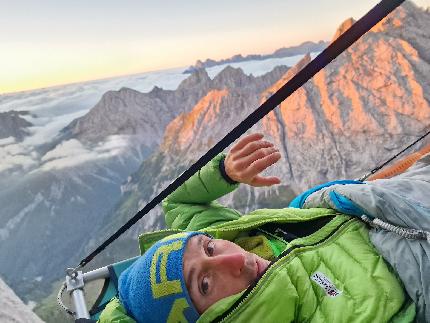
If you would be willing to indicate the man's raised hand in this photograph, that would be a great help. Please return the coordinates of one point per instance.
(248, 158)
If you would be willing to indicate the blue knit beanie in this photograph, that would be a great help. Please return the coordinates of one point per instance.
(153, 288)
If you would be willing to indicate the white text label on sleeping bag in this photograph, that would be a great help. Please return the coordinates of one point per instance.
(325, 283)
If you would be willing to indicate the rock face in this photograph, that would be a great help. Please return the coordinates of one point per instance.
(304, 48)
(129, 112)
(360, 110)
(12, 309)
(13, 125)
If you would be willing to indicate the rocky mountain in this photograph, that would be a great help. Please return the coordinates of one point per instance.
(304, 48)
(366, 105)
(131, 112)
(49, 213)
(13, 125)
(12, 309)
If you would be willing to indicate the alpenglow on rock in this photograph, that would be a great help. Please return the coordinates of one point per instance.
(366, 105)
(361, 109)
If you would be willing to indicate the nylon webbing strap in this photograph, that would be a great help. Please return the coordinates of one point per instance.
(358, 29)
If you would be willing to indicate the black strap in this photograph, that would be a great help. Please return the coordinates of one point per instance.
(344, 41)
(376, 169)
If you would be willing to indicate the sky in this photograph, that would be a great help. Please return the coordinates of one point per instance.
(45, 43)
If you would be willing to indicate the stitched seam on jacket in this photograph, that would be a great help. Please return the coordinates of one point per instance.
(201, 181)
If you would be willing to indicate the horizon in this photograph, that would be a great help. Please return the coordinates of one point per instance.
(61, 44)
(133, 74)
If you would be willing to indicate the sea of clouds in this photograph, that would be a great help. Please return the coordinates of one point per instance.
(52, 109)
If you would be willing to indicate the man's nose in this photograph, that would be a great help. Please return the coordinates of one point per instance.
(232, 263)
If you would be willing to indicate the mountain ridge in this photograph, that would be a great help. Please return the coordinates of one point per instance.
(303, 48)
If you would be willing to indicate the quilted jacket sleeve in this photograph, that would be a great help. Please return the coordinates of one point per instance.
(193, 207)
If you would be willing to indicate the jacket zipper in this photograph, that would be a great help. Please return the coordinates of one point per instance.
(256, 224)
(245, 226)
(251, 288)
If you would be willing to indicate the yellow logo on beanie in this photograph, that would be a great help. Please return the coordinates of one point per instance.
(177, 313)
(164, 287)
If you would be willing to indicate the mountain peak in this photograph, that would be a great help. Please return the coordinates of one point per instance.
(344, 26)
(127, 90)
(197, 79)
(13, 125)
(231, 77)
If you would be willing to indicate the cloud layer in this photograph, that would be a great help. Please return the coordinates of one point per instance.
(73, 153)
(52, 109)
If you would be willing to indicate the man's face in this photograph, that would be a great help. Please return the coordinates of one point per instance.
(215, 269)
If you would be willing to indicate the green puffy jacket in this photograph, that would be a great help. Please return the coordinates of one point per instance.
(330, 275)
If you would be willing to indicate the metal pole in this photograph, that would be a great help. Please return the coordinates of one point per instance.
(95, 274)
(75, 285)
(81, 311)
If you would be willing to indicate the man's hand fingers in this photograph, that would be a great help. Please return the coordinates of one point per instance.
(246, 161)
(261, 164)
(265, 181)
(251, 148)
(248, 158)
(246, 140)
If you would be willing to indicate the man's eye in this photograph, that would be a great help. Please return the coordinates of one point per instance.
(210, 248)
(204, 286)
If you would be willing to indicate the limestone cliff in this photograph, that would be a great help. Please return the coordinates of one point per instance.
(12, 309)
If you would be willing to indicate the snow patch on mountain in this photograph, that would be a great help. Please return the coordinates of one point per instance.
(16, 220)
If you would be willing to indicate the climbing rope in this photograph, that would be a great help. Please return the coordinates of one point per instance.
(60, 300)
(408, 233)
